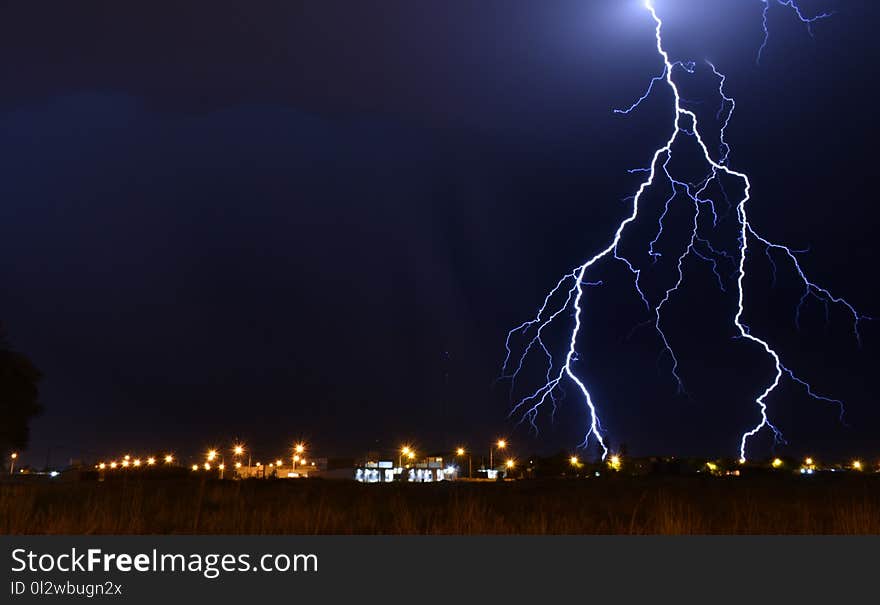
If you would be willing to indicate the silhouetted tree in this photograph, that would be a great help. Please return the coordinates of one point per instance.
(19, 396)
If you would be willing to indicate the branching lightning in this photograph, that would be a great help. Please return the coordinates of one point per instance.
(566, 300)
(808, 21)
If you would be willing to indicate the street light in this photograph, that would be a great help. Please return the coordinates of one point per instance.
(195, 467)
(574, 461)
(500, 444)
(510, 464)
(298, 449)
(461, 452)
(857, 465)
(169, 459)
(777, 462)
(404, 451)
(12, 457)
(614, 462)
(237, 451)
(151, 461)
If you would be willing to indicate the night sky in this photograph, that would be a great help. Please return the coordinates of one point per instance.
(318, 220)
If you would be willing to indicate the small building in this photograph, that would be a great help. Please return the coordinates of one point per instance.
(429, 470)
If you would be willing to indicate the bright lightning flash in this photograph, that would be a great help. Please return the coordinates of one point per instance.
(571, 287)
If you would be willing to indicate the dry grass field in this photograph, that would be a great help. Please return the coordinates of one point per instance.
(619, 505)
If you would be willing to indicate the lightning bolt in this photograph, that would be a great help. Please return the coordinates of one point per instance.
(807, 21)
(566, 299)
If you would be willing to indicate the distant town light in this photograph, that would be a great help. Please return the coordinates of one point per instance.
(614, 462)
(857, 465)
(238, 450)
(460, 452)
(777, 462)
(278, 463)
(137, 462)
(195, 467)
(808, 462)
(207, 466)
(102, 466)
(169, 459)
(151, 461)
(510, 463)
(574, 460)
(211, 455)
(299, 448)
(112, 465)
(501, 444)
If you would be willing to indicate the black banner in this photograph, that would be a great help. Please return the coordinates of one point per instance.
(410, 569)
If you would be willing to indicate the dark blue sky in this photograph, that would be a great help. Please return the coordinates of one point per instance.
(319, 220)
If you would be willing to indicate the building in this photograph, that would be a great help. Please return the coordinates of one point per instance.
(428, 470)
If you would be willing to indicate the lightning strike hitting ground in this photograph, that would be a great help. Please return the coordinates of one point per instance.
(567, 297)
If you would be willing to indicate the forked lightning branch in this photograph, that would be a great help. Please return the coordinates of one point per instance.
(566, 301)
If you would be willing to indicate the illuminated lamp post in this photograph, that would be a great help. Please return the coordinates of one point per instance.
(461, 452)
(500, 444)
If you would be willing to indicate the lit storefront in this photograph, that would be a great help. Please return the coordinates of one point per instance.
(385, 471)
